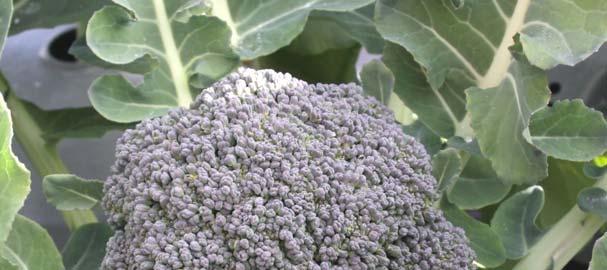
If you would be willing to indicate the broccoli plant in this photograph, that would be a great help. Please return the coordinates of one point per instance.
(250, 140)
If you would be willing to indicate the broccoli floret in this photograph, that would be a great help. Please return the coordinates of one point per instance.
(265, 171)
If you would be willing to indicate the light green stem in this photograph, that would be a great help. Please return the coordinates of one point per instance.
(178, 71)
(42, 154)
(565, 239)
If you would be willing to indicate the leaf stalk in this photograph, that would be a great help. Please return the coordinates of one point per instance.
(178, 72)
(563, 240)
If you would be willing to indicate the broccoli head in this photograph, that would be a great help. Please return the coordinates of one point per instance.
(266, 171)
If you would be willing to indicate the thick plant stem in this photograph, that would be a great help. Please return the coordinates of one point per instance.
(565, 239)
(42, 154)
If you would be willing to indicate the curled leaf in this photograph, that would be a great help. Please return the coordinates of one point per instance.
(593, 200)
(514, 221)
(70, 192)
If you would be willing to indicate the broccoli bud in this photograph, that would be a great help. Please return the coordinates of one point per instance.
(266, 171)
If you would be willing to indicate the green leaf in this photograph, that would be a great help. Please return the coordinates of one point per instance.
(71, 122)
(377, 81)
(548, 39)
(31, 14)
(477, 185)
(7, 265)
(441, 110)
(81, 50)
(314, 68)
(6, 12)
(514, 221)
(69, 192)
(14, 177)
(484, 241)
(599, 254)
(600, 161)
(425, 136)
(499, 117)
(474, 39)
(327, 30)
(30, 247)
(461, 144)
(569, 130)
(565, 180)
(86, 247)
(261, 27)
(195, 52)
(457, 3)
(446, 167)
(593, 200)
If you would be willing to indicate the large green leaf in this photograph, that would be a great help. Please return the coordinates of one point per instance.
(191, 50)
(474, 39)
(477, 185)
(446, 167)
(549, 39)
(14, 177)
(499, 117)
(484, 241)
(6, 12)
(599, 254)
(565, 180)
(86, 247)
(514, 221)
(424, 135)
(440, 110)
(327, 30)
(468, 146)
(314, 68)
(377, 81)
(81, 50)
(569, 130)
(457, 48)
(46, 14)
(29, 247)
(69, 192)
(260, 27)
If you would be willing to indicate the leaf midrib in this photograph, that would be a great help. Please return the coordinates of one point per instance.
(17, 259)
(77, 194)
(173, 58)
(306, 6)
(502, 58)
(82, 258)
